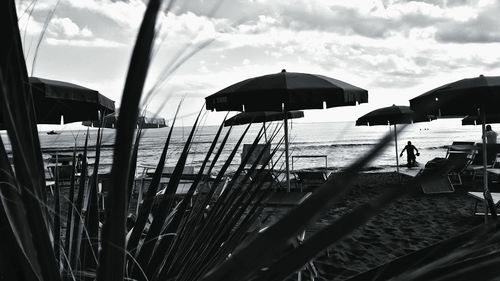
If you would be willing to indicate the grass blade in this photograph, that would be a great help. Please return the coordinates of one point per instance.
(112, 255)
(147, 204)
(18, 116)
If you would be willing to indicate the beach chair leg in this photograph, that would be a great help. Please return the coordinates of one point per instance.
(474, 211)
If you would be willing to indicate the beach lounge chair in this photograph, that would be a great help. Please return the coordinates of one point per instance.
(459, 161)
(264, 176)
(478, 196)
(434, 177)
(188, 172)
(460, 146)
(309, 180)
(476, 167)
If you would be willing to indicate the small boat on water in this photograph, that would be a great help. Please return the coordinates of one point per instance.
(52, 133)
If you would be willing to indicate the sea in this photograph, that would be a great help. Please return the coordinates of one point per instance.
(335, 145)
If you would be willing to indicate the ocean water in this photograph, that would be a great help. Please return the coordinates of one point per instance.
(341, 142)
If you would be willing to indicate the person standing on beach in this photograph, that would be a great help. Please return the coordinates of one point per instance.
(410, 153)
(491, 136)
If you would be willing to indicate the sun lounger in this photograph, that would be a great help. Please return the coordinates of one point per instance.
(476, 167)
(188, 172)
(264, 176)
(309, 180)
(459, 161)
(480, 199)
(434, 179)
(456, 146)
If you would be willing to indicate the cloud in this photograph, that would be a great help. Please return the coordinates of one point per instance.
(65, 27)
(126, 13)
(95, 43)
(481, 29)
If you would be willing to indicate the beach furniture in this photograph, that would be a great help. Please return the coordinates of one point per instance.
(459, 156)
(253, 157)
(479, 198)
(144, 179)
(459, 161)
(476, 167)
(458, 146)
(309, 157)
(260, 174)
(309, 180)
(264, 176)
(434, 177)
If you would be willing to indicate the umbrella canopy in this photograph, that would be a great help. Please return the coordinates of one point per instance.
(460, 98)
(472, 96)
(476, 120)
(395, 114)
(262, 116)
(53, 99)
(295, 91)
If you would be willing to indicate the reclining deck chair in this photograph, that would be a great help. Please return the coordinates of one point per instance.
(309, 180)
(260, 174)
(459, 161)
(476, 167)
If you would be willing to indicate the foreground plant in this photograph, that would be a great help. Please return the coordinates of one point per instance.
(209, 235)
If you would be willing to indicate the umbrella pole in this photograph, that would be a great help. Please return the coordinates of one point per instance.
(285, 120)
(486, 192)
(396, 144)
(265, 139)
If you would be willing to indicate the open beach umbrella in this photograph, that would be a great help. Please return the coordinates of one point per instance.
(53, 99)
(476, 120)
(478, 96)
(261, 117)
(285, 91)
(391, 115)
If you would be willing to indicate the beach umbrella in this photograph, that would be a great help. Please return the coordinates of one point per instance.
(53, 99)
(286, 91)
(476, 120)
(391, 115)
(261, 117)
(478, 96)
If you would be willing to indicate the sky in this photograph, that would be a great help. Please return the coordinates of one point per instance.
(396, 49)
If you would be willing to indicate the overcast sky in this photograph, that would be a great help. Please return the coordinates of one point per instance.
(395, 49)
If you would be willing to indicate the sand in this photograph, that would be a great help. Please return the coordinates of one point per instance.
(413, 222)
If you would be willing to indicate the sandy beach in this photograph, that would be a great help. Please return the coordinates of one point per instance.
(413, 222)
